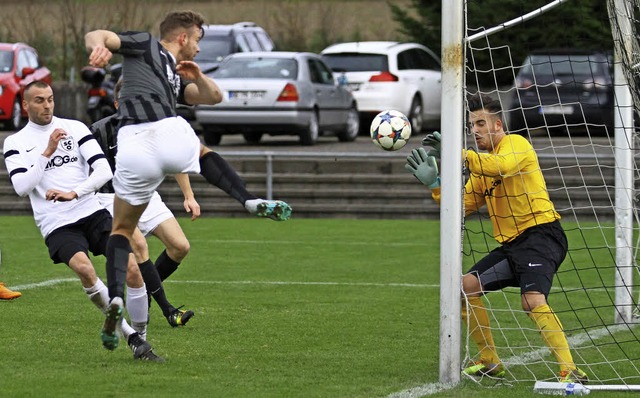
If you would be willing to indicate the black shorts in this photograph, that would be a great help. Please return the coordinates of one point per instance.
(529, 261)
(89, 233)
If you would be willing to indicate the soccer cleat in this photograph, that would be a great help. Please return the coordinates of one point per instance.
(274, 209)
(7, 294)
(573, 376)
(111, 322)
(142, 349)
(482, 369)
(179, 317)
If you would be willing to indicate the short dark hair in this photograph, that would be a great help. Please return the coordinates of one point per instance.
(478, 101)
(35, 83)
(181, 19)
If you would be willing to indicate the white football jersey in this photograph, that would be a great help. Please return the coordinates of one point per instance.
(66, 170)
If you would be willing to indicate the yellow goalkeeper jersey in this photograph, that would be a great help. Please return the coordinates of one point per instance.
(509, 181)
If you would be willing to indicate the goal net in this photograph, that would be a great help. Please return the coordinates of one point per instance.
(572, 103)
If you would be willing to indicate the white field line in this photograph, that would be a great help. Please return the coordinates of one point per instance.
(53, 282)
(574, 341)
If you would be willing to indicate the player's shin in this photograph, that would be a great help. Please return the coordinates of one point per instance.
(117, 253)
(553, 335)
(479, 329)
(138, 309)
(218, 172)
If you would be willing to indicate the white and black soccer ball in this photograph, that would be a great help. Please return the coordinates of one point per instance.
(390, 130)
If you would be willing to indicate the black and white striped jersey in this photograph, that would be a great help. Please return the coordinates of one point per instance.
(151, 87)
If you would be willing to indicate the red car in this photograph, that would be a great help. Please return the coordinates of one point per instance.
(19, 66)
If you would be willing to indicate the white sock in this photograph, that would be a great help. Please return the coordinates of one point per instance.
(99, 295)
(252, 205)
(138, 308)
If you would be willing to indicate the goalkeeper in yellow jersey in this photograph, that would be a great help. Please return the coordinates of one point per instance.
(508, 180)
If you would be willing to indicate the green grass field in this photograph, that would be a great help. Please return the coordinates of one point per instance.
(305, 308)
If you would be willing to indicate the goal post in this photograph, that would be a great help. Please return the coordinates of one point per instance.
(591, 176)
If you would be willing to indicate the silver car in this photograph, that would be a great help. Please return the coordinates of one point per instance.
(278, 93)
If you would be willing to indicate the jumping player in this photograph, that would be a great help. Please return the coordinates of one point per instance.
(152, 140)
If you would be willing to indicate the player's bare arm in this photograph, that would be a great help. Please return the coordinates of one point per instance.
(100, 44)
(203, 90)
(190, 203)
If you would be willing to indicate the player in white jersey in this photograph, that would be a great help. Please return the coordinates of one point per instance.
(49, 160)
(152, 140)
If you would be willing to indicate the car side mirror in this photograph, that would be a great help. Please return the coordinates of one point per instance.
(26, 71)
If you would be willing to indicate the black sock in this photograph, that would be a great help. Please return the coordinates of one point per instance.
(117, 253)
(154, 286)
(165, 265)
(218, 172)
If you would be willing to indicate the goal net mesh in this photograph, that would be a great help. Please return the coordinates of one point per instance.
(564, 105)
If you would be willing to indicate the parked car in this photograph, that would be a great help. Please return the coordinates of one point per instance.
(278, 93)
(385, 75)
(562, 89)
(218, 42)
(19, 66)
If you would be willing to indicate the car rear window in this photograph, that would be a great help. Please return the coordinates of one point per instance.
(556, 65)
(261, 68)
(6, 61)
(357, 62)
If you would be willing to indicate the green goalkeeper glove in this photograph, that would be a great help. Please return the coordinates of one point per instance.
(433, 140)
(423, 167)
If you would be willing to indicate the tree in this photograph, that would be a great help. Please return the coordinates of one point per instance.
(574, 24)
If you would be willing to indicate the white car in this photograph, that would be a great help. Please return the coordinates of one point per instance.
(386, 75)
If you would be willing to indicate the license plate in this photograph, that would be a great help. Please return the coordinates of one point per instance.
(245, 95)
(354, 86)
(557, 110)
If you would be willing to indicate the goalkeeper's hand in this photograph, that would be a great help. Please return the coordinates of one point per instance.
(423, 167)
(433, 140)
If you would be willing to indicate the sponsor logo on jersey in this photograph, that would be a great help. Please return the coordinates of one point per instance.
(58, 161)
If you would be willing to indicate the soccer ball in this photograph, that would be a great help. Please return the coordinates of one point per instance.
(390, 130)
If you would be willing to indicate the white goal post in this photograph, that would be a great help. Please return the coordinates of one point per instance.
(603, 339)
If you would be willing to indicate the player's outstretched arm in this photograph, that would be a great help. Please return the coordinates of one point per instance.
(100, 44)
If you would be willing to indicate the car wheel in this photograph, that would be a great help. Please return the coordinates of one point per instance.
(211, 138)
(15, 121)
(252, 138)
(351, 128)
(309, 136)
(415, 115)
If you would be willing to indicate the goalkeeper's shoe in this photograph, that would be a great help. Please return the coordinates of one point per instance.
(142, 349)
(573, 376)
(7, 294)
(111, 322)
(485, 369)
(179, 317)
(274, 209)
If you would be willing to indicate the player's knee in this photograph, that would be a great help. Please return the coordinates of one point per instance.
(140, 247)
(179, 250)
(471, 284)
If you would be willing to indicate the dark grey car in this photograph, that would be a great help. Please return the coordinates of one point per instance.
(563, 90)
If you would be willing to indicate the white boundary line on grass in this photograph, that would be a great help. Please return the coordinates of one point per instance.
(574, 341)
(53, 282)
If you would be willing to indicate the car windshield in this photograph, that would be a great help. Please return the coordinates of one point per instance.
(259, 67)
(214, 48)
(557, 65)
(6, 61)
(357, 62)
